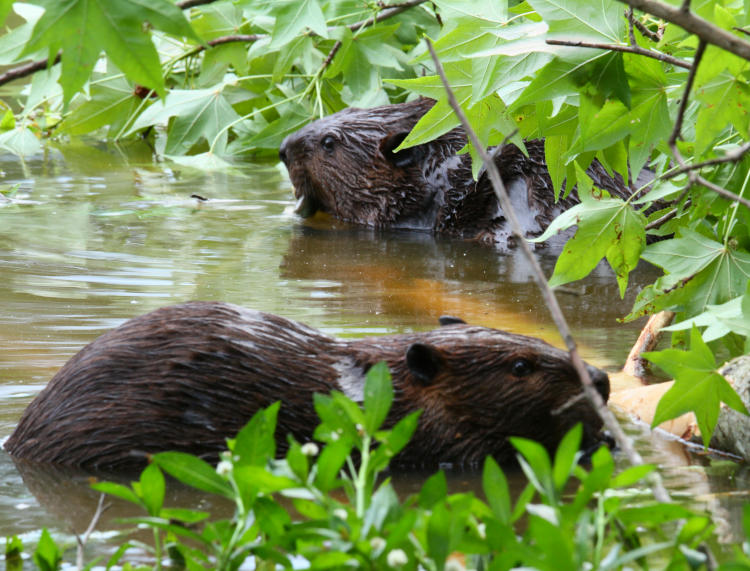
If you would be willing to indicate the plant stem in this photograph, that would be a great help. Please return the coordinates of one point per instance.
(360, 485)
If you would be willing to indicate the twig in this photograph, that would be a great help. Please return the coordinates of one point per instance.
(633, 21)
(704, 29)
(731, 156)
(27, 69)
(742, 30)
(549, 297)
(92, 525)
(636, 49)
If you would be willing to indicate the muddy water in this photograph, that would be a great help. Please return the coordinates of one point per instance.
(91, 236)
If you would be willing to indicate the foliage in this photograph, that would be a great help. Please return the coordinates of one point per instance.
(227, 78)
(338, 509)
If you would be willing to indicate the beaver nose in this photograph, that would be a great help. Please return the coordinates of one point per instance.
(600, 380)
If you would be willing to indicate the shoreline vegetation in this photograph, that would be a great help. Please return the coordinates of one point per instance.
(635, 84)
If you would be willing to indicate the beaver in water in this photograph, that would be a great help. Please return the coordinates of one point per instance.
(346, 165)
(188, 376)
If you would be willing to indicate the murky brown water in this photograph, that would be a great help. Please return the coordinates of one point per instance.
(94, 236)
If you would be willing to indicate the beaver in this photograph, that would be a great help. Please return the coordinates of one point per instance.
(346, 165)
(186, 377)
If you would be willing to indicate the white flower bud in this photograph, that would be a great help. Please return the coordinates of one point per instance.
(310, 449)
(397, 558)
(340, 513)
(224, 467)
(377, 543)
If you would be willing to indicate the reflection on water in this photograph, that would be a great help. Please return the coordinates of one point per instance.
(93, 236)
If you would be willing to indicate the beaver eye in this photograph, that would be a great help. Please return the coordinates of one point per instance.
(520, 368)
(328, 143)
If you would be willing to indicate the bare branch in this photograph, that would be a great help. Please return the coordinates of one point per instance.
(28, 69)
(721, 191)
(86, 534)
(704, 29)
(636, 49)
(549, 297)
(742, 30)
(731, 156)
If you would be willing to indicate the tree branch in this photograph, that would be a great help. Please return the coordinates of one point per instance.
(549, 297)
(731, 156)
(620, 48)
(704, 29)
(28, 69)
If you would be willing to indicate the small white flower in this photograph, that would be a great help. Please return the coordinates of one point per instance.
(482, 530)
(310, 449)
(454, 565)
(397, 558)
(224, 467)
(377, 543)
(340, 513)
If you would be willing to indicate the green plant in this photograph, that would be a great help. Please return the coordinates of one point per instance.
(335, 507)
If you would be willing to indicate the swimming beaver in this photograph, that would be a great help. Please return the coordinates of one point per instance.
(188, 376)
(345, 165)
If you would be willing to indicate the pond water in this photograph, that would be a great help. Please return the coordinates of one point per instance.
(93, 235)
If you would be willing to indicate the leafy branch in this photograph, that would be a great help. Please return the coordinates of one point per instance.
(688, 21)
(660, 493)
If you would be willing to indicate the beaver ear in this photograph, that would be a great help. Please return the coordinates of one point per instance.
(450, 320)
(400, 159)
(424, 362)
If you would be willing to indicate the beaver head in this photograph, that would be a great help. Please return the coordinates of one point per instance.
(346, 165)
(478, 386)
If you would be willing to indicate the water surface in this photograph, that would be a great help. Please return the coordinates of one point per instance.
(94, 235)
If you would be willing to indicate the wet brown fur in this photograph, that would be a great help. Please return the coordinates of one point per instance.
(344, 165)
(188, 376)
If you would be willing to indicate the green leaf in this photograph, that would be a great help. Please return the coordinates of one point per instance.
(200, 114)
(555, 148)
(726, 102)
(699, 272)
(20, 141)
(47, 556)
(117, 490)
(378, 396)
(152, 488)
(582, 21)
(5, 7)
(566, 456)
(434, 490)
(607, 227)
(193, 471)
(535, 463)
(83, 28)
(496, 490)
(439, 534)
(255, 443)
(631, 475)
(698, 387)
(293, 17)
(330, 462)
(108, 100)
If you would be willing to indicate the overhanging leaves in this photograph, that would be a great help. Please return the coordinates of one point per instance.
(85, 28)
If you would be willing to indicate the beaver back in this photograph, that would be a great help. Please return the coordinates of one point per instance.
(189, 376)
